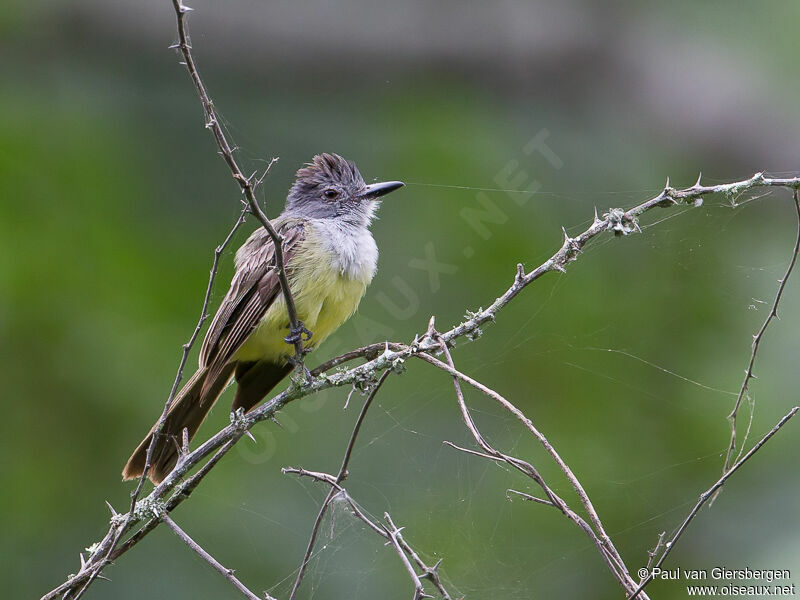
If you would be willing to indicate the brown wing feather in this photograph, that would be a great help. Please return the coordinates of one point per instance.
(254, 264)
(253, 289)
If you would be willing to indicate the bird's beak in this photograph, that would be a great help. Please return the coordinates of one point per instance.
(376, 190)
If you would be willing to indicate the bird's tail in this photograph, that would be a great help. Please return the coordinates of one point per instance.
(187, 411)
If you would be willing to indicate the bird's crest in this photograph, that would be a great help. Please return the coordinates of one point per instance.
(328, 167)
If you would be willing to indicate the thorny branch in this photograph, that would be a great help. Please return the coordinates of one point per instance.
(247, 184)
(147, 513)
(651, 555)
(773, 313)
(339, 478)
(596, 534)
(393, 535)
(226, 573)
(705, 496)
(337, 489)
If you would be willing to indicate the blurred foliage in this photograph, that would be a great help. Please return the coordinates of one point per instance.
(112, 199)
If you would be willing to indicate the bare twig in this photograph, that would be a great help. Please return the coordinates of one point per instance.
(705, 496)
(431, 573)
(773, 313)
(339, 478)
(576, 484)
(202, 553)
(651, 555)
(342, 493)
(498, 457)
(394, 535)
(529, 498)
(597, 534)
(246, 184)
(616, 220)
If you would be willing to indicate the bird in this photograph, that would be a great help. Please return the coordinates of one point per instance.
(330, 257)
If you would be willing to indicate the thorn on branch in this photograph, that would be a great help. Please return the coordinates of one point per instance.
(520, 273)
(570, 247)
(431, 332)
(528, 498)
(667, 197)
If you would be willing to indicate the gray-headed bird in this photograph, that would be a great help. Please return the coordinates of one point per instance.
(330, 258)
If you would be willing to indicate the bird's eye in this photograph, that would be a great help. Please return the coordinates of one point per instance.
(330, 193)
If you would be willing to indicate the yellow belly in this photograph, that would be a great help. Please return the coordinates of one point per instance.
(324, 299)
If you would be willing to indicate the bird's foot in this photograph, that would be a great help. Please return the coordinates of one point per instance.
(298, 334)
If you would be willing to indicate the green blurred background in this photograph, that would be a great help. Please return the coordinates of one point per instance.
(112, 198)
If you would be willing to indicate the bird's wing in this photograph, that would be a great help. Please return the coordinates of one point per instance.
(253, 289)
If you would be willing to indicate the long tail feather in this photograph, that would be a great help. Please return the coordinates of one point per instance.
(255, 380)
(187, 411)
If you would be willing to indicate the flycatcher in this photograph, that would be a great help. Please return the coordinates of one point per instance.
(330, 258)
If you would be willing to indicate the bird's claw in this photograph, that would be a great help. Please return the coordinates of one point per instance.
(298, 334)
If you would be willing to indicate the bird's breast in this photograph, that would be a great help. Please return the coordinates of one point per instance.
(328, 274)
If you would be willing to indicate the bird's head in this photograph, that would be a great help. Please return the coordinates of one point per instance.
(331, 187)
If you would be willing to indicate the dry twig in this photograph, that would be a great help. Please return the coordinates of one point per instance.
(339, 478)
(401, 546)
(705, 496)
(226, 573)
(596, 532)
(247, 184)
(394, 535)
(773, 314)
